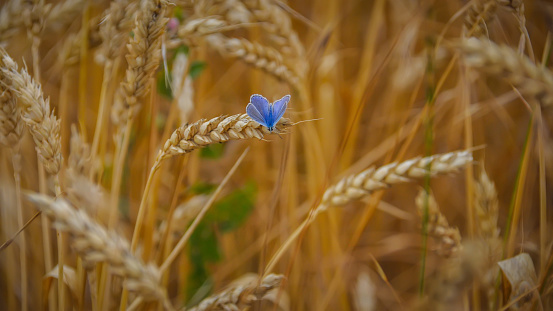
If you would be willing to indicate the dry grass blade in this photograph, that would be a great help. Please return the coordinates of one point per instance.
(240, 297)
(35, 110)
(449, 237)
(95, 244)
(359, 185)
(217, 130)
(502, 61)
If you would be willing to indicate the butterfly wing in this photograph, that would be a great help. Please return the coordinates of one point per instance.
(252, 111)
(261, 104)
(279, 107)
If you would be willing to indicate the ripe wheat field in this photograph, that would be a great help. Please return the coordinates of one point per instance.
(412, 168)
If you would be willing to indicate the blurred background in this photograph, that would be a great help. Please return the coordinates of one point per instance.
(376, 82)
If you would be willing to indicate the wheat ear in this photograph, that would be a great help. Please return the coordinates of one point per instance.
(276, 22)
(11, 125)
(449, 237)
(95, 244)
(486, 205)
(502, 61)
(10, 19)
(217, 130)
(240, 297)
(64, 13)
(487, 212)
(256, 55)
(114, 27)
(483, 11)
(35, 110)
(357, 186)
(11, 131)
(143, 59)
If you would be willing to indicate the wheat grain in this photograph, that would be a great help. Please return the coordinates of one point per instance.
(449, 237)
(35, 110)
(502, 61)
(254, 54)
(95, 244)
(240, 297)
(360, 185)
(217, 130)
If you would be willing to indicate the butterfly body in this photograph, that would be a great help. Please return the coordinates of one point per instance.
(265, 113)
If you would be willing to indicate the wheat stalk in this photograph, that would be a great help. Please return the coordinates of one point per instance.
(360, 185)
(95, 244)
(217, 130)
(35, 110)
(256, 55)
(502, 61)
(240, 297)
(449, 237)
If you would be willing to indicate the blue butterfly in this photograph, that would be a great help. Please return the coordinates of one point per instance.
(265, 113)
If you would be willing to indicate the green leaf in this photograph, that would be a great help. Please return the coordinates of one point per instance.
(214, 151)
(196, 68)
(231, 211)
(204, 249)
(203, 245)
(202, 188)
(182, 49)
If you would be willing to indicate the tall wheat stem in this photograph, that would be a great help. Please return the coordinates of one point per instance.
(16, 162)
(108, 68)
